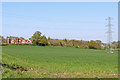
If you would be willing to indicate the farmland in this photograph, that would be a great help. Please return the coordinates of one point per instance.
(57, 62)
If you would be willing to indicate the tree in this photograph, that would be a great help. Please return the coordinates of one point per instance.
(114, 45)
(65, 40)
(43, 41)
(2, 40)
(38, 39)
(21, 38)
(92, 44)
(98, 42)
(49, 38)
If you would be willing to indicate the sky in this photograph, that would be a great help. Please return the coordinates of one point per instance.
(60, 20)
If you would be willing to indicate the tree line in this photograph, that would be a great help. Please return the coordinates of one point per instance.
(40, 40)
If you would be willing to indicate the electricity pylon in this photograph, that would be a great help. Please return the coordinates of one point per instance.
(109, 36)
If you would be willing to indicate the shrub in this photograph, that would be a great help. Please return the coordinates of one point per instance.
(3, 44)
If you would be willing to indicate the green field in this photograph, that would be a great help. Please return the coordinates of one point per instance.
(58, 62)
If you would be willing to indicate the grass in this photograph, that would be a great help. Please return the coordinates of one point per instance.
(58, 62)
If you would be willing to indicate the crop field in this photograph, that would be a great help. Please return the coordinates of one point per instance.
(58, 62)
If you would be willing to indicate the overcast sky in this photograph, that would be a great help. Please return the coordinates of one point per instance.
(71, 20)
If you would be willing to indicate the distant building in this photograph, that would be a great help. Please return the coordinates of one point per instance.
(16, 40)
(12, 40)
(27, 41)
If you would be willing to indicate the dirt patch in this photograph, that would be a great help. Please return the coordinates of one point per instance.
(14, 67)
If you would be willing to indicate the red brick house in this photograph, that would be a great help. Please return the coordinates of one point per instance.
(12, 40)
(16, 40)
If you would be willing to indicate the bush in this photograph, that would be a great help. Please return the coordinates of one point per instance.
(92, 47)
(20, 44)
(33, 44)
(3, 44)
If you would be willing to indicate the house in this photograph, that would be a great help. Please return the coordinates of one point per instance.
(12, 40)
(24, 41)
(27, 41)
(30, 41)
(16, 40)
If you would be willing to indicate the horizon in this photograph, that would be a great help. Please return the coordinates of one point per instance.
(60, 20)
(56, 38)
